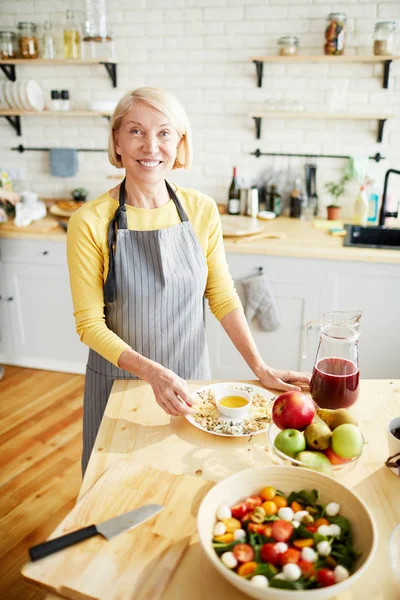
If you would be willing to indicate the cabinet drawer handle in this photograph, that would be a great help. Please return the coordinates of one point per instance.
(10, 299)
(45, 252)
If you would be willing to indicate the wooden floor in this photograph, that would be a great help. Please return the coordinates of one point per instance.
(40, 475)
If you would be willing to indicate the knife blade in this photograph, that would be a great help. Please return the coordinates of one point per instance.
(107, 529)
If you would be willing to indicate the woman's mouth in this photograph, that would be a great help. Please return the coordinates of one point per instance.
(149, 164)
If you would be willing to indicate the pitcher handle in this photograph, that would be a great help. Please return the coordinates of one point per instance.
(306, 332)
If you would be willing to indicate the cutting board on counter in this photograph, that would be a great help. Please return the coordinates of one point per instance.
(138, 564)
(43, 226)
(233, 226)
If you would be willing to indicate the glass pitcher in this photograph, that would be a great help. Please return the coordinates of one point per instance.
(336, 375)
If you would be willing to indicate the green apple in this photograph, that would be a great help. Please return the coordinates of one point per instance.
(315, 461)
(290, 442)
(347, 441)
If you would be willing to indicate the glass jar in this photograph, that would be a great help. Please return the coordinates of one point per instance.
(335, 34)
(288, 45)
(28, 42)
(384, 37)
(7, 45)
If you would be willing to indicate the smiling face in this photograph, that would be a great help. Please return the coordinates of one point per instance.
(147, 143)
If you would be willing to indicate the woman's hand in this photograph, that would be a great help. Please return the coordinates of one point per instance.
(170, 391)
(283, 380)
(11, 197)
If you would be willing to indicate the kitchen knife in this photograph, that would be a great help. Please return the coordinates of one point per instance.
(107, 529)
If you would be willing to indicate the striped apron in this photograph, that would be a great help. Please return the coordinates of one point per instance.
(153, 299)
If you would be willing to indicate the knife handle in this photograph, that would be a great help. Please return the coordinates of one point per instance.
(42, 550)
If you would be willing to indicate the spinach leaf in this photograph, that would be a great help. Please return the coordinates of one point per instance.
(342, 522)
(264, 569)
(307, 497)
(220, 548)
(318, 537)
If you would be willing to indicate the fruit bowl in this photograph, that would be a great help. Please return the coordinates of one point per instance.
(337, 470)
(245, 483)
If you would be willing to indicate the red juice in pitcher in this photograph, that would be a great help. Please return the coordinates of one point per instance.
(334, 383)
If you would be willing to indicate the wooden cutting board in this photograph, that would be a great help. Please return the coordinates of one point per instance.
(237, 226)
(43, 226)
(137, 564)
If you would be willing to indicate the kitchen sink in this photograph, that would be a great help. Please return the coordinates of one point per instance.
(372, 237)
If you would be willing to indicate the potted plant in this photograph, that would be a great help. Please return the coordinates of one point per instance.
(336, 189)
(79, 194)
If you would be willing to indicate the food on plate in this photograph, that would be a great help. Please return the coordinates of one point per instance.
(281, 550)
(233, 401)
(208, 416)
(68, 205)
(347, 441)
(290, 442)
(318, 436)
(293, 410)
(316, 461)
(334, 418)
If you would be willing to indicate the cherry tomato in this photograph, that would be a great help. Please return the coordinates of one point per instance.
(312, 528)
(243, 553)
(231, 524)
(295, 506)
(307, 568)
(247, 568)
(290, 556)
(280, 501)
(270, 508)
(268, 493)
(270, 554)
(268, 531)
(325, 577)
(281, 530)
(253, 501)
(257, 528)
(320, 521)
(240, 510)
(304, 543)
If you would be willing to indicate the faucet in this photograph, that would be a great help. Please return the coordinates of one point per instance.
(383, 213)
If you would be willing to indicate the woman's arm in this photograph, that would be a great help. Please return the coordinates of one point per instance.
(237, 328)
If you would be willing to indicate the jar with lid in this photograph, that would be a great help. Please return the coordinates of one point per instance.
(28, 42)
(7, 45)
(288, 45)
(335, 34)
(384, 37)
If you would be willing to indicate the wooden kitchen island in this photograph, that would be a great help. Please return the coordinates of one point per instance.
(135, 428)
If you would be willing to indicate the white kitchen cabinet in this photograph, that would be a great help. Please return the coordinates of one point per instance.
(40, 325)
(6, 338)
(304, 290)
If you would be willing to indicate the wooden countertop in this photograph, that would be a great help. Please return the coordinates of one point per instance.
(302, 241)
(135, 428)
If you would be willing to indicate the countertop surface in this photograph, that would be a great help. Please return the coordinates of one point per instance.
(135, 428)
(301, 240)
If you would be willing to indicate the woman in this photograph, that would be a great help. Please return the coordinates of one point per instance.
(141, 257)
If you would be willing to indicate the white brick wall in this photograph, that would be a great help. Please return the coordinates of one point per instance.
(200, 50)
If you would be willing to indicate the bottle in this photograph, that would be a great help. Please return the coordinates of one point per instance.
(275, 201)
(72, 38)
(296, 200)
(244, 192)
(234, 196)
(64, 103)
(55, 100)
(252, 202)
(373, 203)
(48, 46)
(360, 208)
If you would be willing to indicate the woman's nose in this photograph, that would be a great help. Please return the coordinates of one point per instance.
(150, 144)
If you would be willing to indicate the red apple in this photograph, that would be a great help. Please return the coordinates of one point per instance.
(293, 410)
(335, 458)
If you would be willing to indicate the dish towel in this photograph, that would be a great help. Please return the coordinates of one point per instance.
(261, 303)
(63, 162)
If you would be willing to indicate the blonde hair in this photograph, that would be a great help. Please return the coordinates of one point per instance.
(169, 106)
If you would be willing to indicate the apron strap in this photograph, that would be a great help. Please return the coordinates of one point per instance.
(182, 214)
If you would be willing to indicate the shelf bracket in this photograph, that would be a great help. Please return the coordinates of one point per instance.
(9, 71)
(380, 129)
(259, 68)
(15, 122)
(386, 71)
(258, 121)
(112, 71)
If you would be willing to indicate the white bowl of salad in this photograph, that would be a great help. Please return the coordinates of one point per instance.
(282, 532)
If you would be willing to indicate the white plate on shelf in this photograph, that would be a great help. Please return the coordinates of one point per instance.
(234, 386)
(3, 101)
(8, 94)
(21, 86)
(34, 95)
(17, 100)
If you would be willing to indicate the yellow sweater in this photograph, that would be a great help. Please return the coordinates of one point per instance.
(88, 258)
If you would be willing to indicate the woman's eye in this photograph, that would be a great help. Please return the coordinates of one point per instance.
(135, 130)
(165, 133)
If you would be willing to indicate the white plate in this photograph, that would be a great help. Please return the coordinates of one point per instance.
(266, 215)
(232, 385)
(3, 101)
(9, 94)
(35, 96)
(21, 86)
(15, 94)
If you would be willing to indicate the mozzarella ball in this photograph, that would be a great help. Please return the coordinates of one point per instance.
(281, 547)
(335, 530)
(324, 530)
(224, 512)
(332, 509)
(239, 534)
(299, 515)
(291, 572)
(324, 548)
(259, 581)
(285, 513)
(229, 560)
(341, 573)
(219, 529)
(309, 555)
(279, 576)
